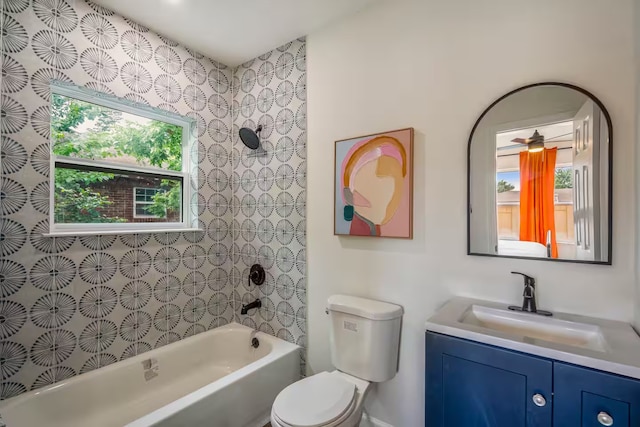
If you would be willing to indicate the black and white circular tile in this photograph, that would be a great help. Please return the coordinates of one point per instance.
(70, 304)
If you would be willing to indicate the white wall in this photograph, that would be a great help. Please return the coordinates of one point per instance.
(436, 65)
(637, 176)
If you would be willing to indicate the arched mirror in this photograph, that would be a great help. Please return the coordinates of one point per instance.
(539, 176)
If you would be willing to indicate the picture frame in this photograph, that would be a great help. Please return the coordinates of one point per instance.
(373, 185)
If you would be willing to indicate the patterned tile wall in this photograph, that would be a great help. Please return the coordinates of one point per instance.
(269, 191)
(69, 305)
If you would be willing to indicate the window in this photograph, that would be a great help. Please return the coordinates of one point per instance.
(508, 204)
(143, 203)
(117, 166)
(564, 177)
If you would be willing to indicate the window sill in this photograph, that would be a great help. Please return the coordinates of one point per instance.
(109, 232)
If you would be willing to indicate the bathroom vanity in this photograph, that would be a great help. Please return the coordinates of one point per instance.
(488, 366)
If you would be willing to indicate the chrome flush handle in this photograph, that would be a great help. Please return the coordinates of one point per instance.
(539, 399)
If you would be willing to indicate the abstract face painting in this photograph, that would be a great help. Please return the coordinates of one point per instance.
(374, 185)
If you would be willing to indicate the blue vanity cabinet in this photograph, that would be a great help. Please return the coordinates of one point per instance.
(588, 398)
(475, 385)
(469, 384)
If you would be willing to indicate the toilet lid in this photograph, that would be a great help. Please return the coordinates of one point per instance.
(314, 401)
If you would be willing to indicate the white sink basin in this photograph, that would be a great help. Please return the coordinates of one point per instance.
(535, 326)
(607, 345)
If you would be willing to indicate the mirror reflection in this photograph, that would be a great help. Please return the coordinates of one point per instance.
(539, 176)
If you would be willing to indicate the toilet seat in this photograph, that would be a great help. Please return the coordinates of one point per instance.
(335, 423)
(322, 400)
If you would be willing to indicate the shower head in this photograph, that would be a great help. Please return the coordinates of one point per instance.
(250, 138)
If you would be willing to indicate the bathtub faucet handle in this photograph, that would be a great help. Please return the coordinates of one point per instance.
(257, 275)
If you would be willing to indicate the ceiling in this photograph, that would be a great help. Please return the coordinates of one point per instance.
(234, 31)
(553, 132)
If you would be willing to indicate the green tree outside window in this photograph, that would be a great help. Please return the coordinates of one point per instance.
(504, 186)
(88, 131)
(564, 178)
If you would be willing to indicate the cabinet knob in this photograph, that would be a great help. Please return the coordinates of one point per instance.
(605, 419)
(539, 400)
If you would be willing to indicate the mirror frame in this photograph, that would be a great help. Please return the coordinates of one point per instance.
(610, 174)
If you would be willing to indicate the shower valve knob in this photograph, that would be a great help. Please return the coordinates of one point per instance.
(257, 274)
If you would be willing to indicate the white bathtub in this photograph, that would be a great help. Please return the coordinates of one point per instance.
(212, 379)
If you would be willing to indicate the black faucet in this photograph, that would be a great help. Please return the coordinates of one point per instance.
(246, 307)
(529, 295)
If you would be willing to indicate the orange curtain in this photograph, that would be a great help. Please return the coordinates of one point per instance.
(537, 205)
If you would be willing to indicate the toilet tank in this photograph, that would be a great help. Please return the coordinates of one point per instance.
(364, 337)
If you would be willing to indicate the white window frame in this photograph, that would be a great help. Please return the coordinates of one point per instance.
(189, 215)
(136, 203)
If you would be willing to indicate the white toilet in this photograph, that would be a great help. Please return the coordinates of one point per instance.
(365, 338)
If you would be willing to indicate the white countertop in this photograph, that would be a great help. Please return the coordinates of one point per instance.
(621, 355)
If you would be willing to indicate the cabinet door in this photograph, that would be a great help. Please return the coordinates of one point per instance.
(469, 384)
(588, 398)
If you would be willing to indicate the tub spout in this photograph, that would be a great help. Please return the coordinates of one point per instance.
(246, 307)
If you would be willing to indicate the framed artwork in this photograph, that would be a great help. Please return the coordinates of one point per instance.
(374, 185)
